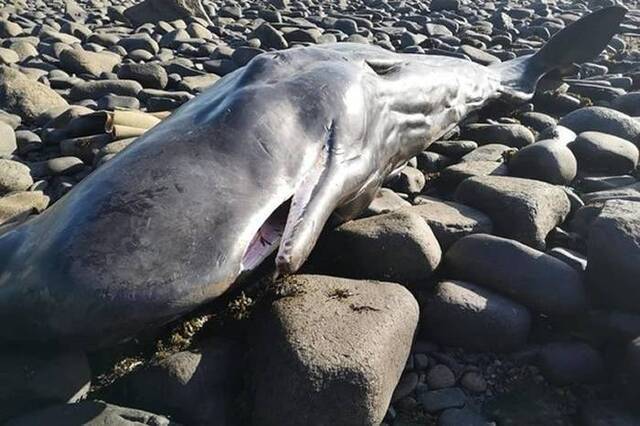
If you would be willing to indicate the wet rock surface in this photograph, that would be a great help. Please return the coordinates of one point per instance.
(511, 244)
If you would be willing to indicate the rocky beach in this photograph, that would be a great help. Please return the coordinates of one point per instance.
(494, 280)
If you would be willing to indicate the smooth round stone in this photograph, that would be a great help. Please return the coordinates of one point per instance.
(368, 348)
(405, 386)
(628, 103)
(14, 176)
(104, 39)
(450, 221)
(466, 315)
(604, 153)
(453, 149)
(440, 5)
(628, 192)
(244, 54)
(385, 201)
(613, 249)
(57, 166)
(196, 30)
(12, 120)
(397, 246)
(139, 41)
(112, 102)
(452, 176)
(564, 363)
(440, 376)
(9, 29)
(597, 93)
(605, 120)
(478, 55)
(549, 161)
(18, 205)
(24, 49)
(432, 162)
(27, 141)
(26, 97)
(474, 382)
(513, 135)
(558, 133)
(100, 88)
(528, 276)
(409, 181)
(621, 82)
(598, 182)
(8, 142)
(303, 35)
(113, 148)
(490, 152)
(195, 386)
(523, 209)
(174, 38)
(538, 121)
(270, 38)
(198, 83)
(347, 26)
(583, 218)
(140, 55)
(8, 56)
(78, 61)
(179, 97)
(557, 103)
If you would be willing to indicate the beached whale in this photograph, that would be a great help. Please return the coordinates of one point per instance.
(256, 164)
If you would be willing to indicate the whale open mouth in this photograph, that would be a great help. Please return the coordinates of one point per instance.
(267, 238)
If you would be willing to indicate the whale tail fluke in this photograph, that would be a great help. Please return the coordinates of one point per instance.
(578, 42)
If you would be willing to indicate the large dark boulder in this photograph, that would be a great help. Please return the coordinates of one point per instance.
(613, 254)
(398, 247)
(523, 209)
(331, 351)
(528, 276)
(165, 10)
(465, 315)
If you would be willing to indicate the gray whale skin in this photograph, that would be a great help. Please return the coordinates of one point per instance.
(257, 163)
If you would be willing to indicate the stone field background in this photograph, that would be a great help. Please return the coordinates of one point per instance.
(493, 281)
